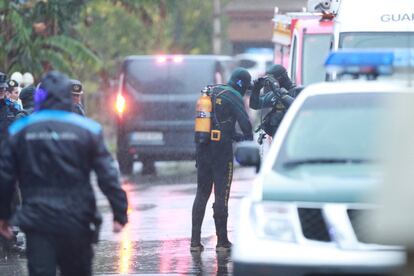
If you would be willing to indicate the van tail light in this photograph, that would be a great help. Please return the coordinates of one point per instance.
(120, 100)
(120, 104)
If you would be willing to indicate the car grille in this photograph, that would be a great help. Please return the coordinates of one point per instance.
(313, 224)
(360, 225)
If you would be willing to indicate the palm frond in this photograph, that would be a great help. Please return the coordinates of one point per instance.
(21, 31)
(56, 60)
(75, 49)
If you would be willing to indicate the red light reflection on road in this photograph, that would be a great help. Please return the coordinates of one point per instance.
(125, 251)
(174, 253)
(166, 258)
(171, 258)
(126, 241)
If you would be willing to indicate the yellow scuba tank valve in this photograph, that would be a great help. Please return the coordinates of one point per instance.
(204, 108)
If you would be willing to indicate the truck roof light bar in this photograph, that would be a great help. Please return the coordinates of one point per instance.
(382, 62)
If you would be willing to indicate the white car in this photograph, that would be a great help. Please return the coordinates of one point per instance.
(303, 216)
(256, 64)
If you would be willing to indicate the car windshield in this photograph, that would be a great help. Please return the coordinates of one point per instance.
(313, 64)
(165, 76)
(377, 40)
(332, 129)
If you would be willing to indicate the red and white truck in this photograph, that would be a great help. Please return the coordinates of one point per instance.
(302, 40)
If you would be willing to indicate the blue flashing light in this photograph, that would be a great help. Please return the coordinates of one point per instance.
(369, 61)
(404, 58)
(361, 59)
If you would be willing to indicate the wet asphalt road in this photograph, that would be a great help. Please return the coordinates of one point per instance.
(156, 241)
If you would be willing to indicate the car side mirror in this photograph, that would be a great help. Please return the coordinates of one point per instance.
(247, 154)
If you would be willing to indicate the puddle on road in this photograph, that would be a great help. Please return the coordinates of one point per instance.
(146, 257)
(160, 257)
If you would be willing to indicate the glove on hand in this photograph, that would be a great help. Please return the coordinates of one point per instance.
(258, 84)
(271, 82)
(238, 137)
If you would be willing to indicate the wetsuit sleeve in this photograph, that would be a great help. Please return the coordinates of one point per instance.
(259, 102)
(237, 106)
(254, 101)
(8, 176)
(287, 100)
(108, 181)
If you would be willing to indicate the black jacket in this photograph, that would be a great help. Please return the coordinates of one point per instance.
(228, 108)
(278, 99)
(51, 154)
(8, 112)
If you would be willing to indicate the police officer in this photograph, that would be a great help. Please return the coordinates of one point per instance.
(8, 109)
(51, 154)
(215, 158)
(13, 93)
(279, 93)
(77, 91)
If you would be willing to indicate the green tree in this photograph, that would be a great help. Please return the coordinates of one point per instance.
(118, 28)
(36, 37)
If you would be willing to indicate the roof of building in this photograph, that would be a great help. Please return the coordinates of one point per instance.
(265, 5)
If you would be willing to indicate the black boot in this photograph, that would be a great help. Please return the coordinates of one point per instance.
(196, 245)
(223, 243)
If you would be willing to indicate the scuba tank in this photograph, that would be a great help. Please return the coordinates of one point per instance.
(204, 108)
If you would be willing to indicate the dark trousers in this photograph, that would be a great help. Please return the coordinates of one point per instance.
(214, 166)
(45, 252)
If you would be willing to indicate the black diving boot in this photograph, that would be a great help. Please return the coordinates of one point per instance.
(223, 243)
(196, 245)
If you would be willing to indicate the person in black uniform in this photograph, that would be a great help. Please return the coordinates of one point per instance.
(215, 158)
(77, 91)
(279, 94)
(51, 154)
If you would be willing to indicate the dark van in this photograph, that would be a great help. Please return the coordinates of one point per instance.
(156, 106)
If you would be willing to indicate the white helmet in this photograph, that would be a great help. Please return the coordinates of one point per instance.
(17, 77)
(27, 79)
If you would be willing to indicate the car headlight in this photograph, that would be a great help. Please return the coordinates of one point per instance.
(273, 221)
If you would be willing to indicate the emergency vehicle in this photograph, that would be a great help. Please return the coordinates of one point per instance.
(302, 40)
(374, 24)
(310, 210)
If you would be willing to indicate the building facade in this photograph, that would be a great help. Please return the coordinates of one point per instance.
(250, 22)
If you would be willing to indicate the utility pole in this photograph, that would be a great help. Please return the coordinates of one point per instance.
(217, 27)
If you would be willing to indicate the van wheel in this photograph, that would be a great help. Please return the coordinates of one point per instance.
(126, 163)
(148, 166)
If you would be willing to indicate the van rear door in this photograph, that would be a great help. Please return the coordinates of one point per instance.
(163, 87)
(161, 94)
